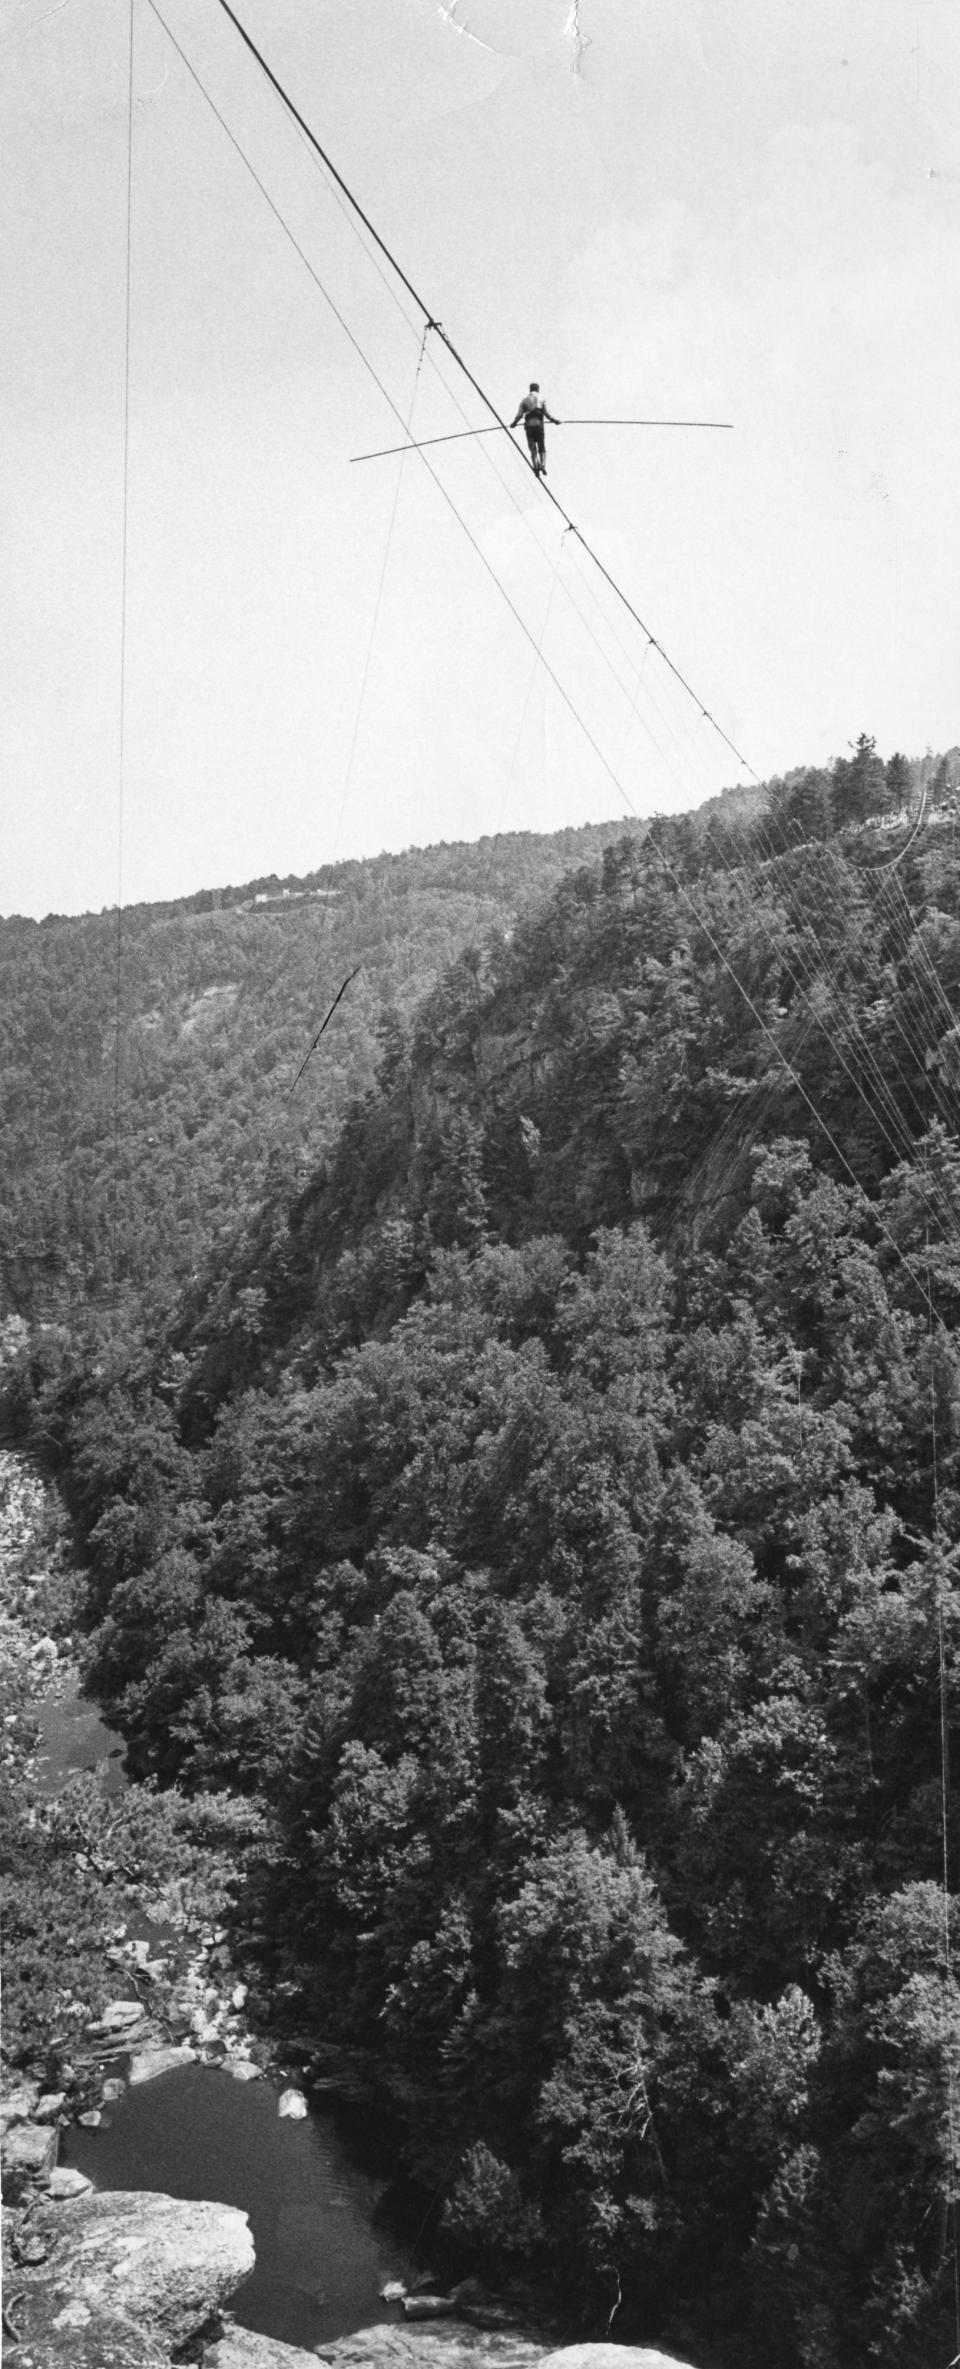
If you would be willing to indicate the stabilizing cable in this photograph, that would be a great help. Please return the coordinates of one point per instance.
(324, 1024)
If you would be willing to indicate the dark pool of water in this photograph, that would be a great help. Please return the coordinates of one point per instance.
(73, 1736)
(306, 2186)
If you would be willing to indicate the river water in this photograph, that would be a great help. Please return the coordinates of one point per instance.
(312, 2201)
(311, 2188)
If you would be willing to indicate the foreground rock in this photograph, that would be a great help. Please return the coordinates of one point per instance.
(127, 2279)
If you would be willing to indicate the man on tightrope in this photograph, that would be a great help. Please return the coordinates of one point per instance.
(532, 410)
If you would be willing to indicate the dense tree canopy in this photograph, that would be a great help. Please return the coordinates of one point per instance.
(548, 1509)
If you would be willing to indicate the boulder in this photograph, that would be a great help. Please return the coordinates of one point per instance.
(612, 2356)
(178, 2014)
(28, 2153)
(118, 2017)
(66, 2183)
(50, 2106)
(242, 2348)
(150, 2062)
(293, 2105)
(204, 2027)
(129, 2278)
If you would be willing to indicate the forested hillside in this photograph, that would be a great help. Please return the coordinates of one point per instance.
(547, 1511)
(147, 1060)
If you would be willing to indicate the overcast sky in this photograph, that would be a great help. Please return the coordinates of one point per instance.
(725, 209)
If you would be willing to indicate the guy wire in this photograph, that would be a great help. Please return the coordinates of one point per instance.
(118, 993)
(939, 1566)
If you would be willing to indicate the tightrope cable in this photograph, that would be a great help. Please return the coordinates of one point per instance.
(432, 323)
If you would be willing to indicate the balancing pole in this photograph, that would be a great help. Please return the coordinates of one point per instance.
(460, 433)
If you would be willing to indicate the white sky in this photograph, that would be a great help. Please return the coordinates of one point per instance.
(734, 209)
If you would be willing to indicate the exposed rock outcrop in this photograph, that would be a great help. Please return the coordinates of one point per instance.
(126, 2279)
